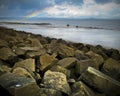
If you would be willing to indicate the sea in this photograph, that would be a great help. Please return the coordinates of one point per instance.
(103, 32)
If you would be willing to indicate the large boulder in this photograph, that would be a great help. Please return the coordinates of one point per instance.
(67, 62)
(61, 69)
(3, 43)
(19, 86)
(99, 50)
(11, 40)
(100, 82)
(57, 81)
(18, 51)
(4, 68)
(65, 51)
(50, 92)
(7, 54)
(80, 55)
(82, 65)
(27, 63)
(98, 59)
(35, 53)
(111, 67)
(80, 89)
(113, 53)
(47, 61)
(35, 42)
(62, 49)
(22, 72)
(78, 46)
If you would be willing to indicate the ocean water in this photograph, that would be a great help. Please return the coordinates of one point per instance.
(89, 31)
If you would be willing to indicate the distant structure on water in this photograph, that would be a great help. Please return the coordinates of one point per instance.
(76, 26)
(68, 25)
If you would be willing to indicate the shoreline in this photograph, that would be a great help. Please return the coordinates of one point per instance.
(34, 65)
(68, 41)
(49, 25)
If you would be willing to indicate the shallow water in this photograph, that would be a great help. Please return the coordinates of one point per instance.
(97, 36)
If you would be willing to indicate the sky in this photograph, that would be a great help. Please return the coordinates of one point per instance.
(102, 9)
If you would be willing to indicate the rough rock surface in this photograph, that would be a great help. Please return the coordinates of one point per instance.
(4, 69)
(98, 59)
(21, 72)
(18, 86)
(50, 92)
(111, 67)
(7, 55)
(67, 62)
(34, 65)
(61, 69)
(65, 51)
(80, 89)
(82, 65)
(27, 63)
(47, 61)
(56, 80)
(101, 82)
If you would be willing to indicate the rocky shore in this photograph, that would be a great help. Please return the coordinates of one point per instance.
(33, 65)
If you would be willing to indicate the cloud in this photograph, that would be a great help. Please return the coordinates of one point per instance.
(62, 8)
(89, 8)
(106, 1)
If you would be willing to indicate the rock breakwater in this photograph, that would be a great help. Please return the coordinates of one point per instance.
(33, 65)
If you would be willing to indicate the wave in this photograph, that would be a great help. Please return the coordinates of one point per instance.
(55, 26)
(25, 23)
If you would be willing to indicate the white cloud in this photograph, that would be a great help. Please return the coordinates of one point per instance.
(88, 9)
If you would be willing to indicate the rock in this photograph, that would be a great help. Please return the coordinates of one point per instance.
(35, 42)
(50, 92)
(85, 49)
(78, 46)
(82, 65)
(3, 43)
(113, 54)
(11, 40)
(99, 50)
(18, 51)
(80, 89)
(100, 82)
(19, 86)
(22, 72)
(27, 63)
(62, 49)
(42, 39)
(6, 54)
(57, 81)
(105, 57)
(67, 62)
(4, 68)
(80, 55)
(30, 48)
(111, 67)
(61, 69)
(65, 51)
(47, 61)
(98, 59)
(36, 53)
